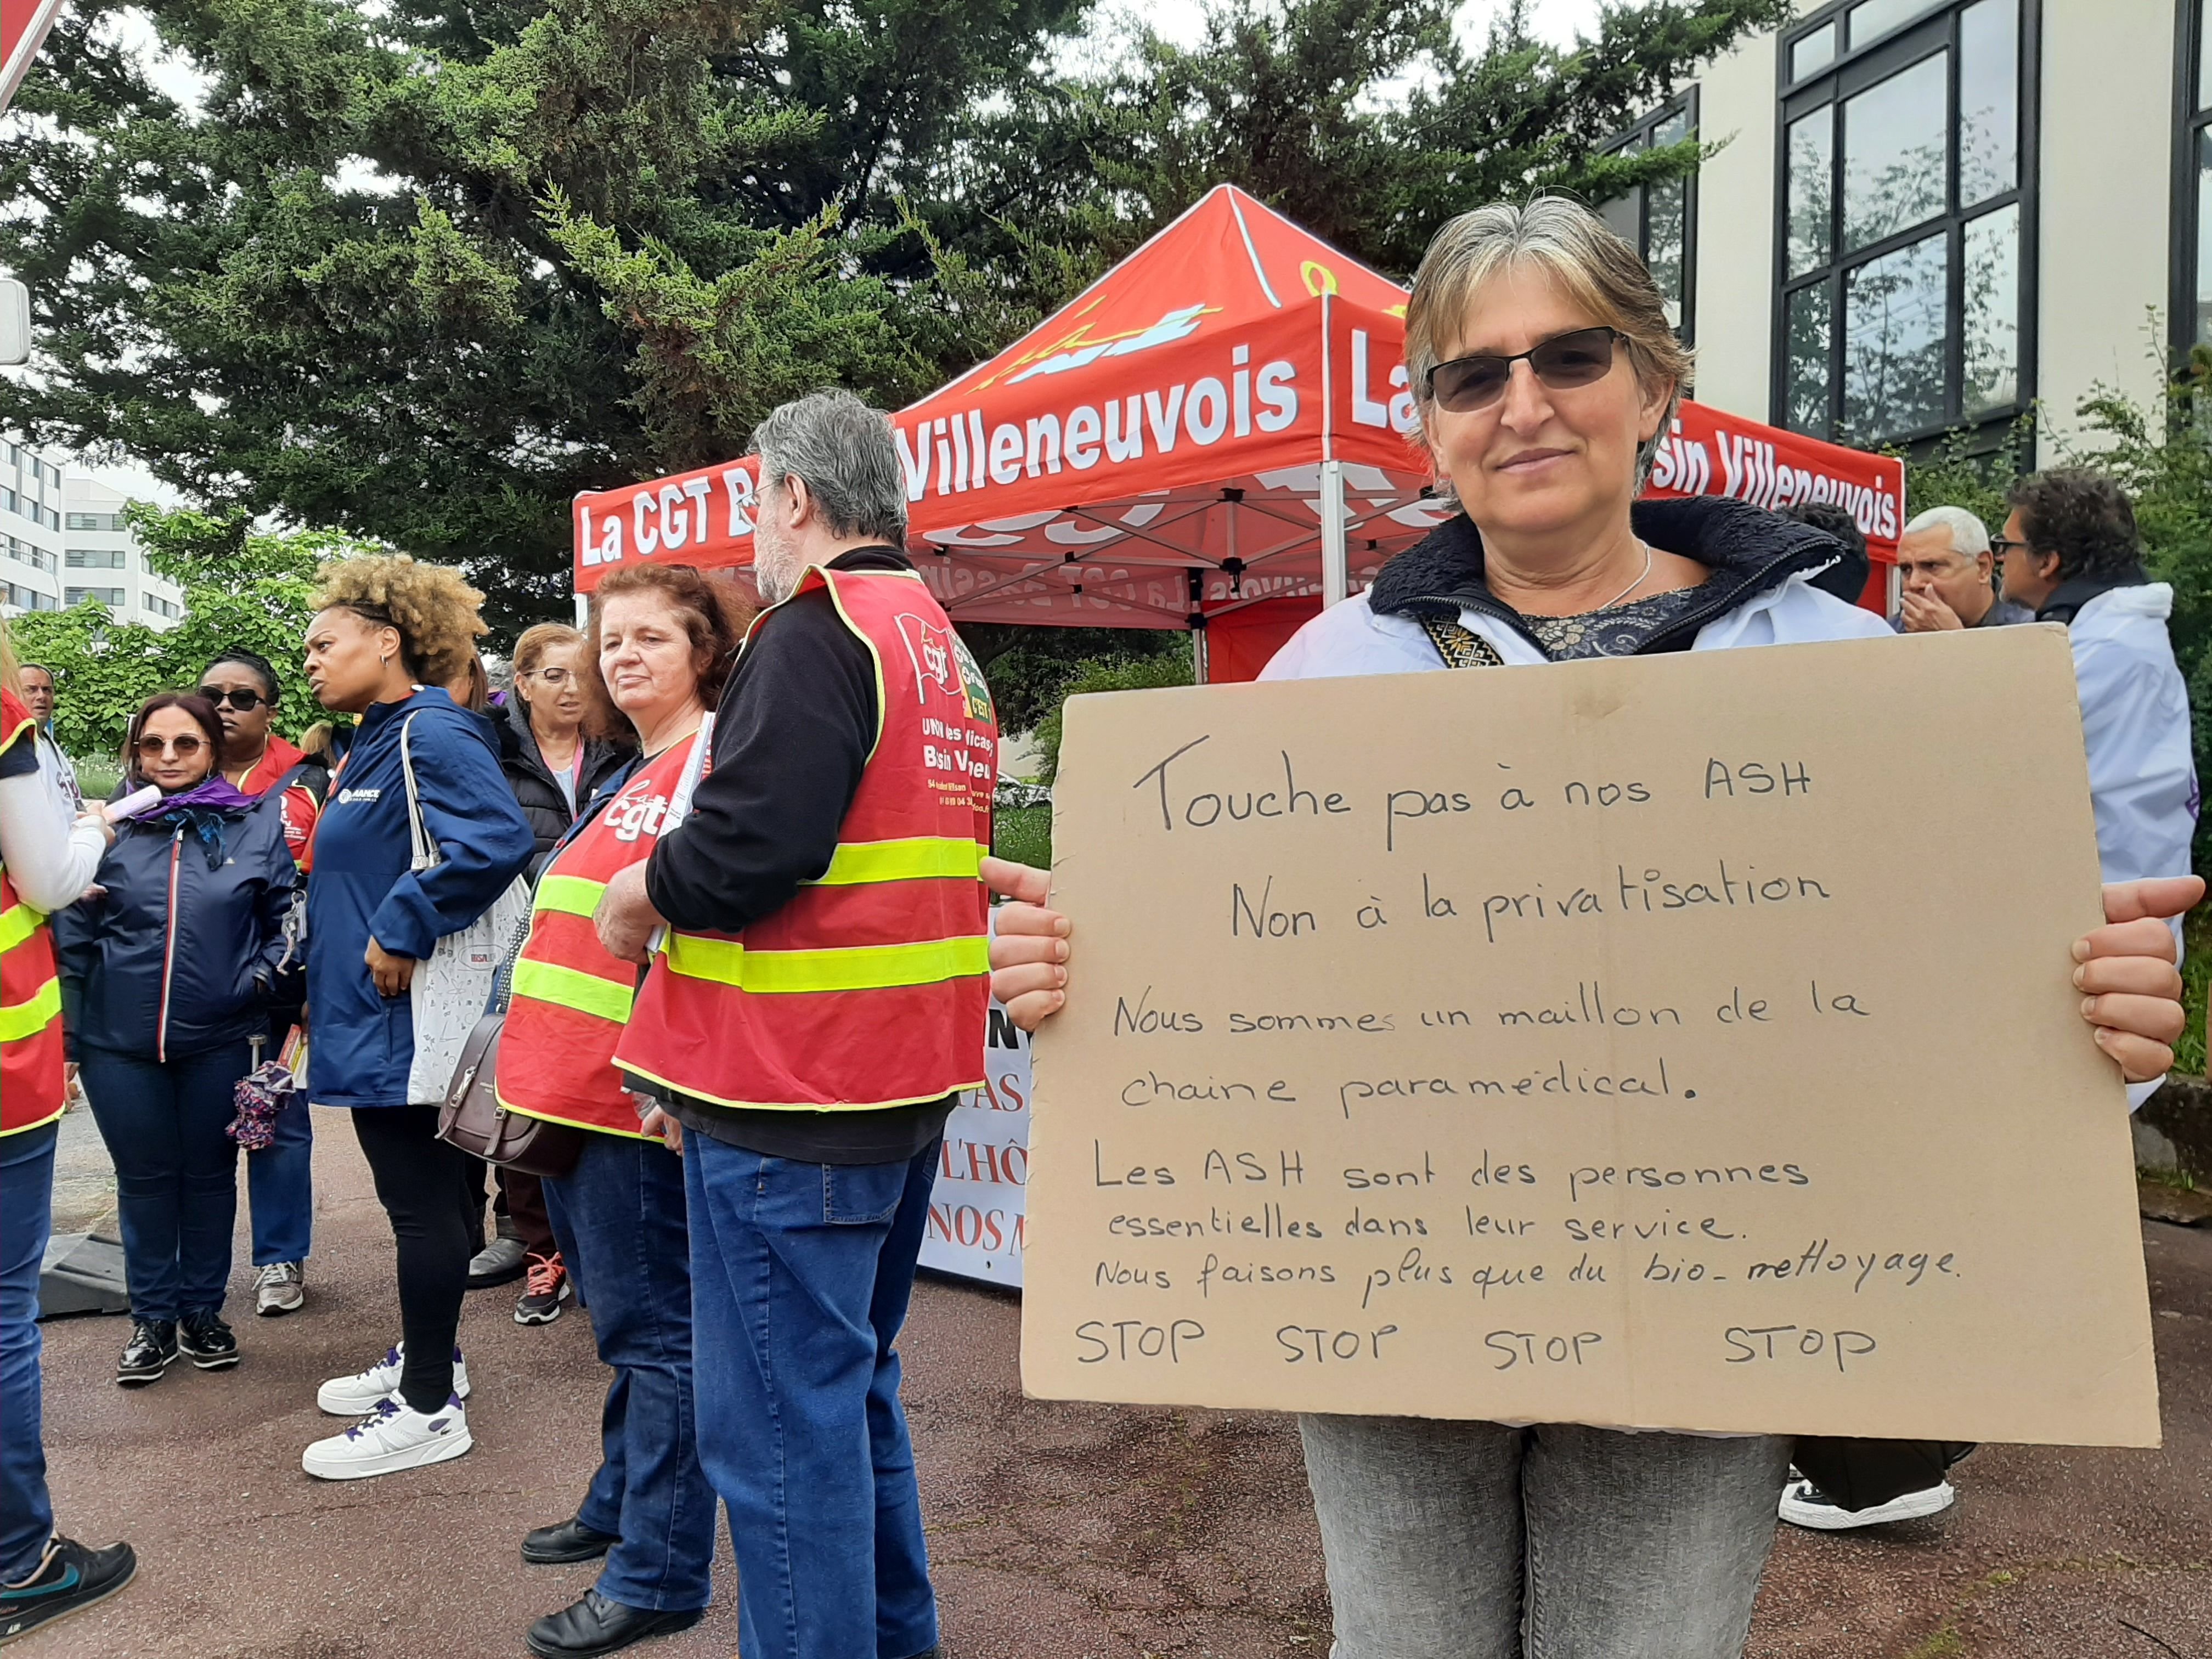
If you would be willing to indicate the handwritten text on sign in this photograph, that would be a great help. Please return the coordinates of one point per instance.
(1683, 1042)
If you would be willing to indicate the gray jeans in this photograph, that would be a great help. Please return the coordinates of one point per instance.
(1472, 1540)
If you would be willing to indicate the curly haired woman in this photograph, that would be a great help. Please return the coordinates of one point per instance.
(387, 634)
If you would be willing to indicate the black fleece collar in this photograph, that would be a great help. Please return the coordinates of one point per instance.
(1749, 550)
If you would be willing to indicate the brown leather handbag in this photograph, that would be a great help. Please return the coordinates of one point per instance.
(472, 1118)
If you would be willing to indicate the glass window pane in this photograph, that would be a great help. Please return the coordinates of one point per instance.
(1989, 99)
(2204, 236)
(1879, 17)
(1894, 343)
(1813, 51)
(1624, 216)
(1991, 379)
(1812, 173)
(1672, 131)
(1896, 152)
(1805, 386)
(2203, 54)
(1663, 244)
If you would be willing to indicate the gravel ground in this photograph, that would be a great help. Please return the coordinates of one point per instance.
(1060, 1532)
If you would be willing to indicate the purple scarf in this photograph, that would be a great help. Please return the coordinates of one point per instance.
(205, 807)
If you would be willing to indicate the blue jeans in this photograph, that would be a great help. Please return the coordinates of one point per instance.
(26, 1209)
(800, 1275)
(176, 1171)
(280, 1186)
(620, 1217)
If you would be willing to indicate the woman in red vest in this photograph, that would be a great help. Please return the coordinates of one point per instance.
(662, 642)
(43, 866)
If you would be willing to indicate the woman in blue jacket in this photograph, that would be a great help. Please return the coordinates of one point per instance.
(169, 967)
(387, 634)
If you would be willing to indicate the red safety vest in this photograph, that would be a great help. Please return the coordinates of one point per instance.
(30, 989)
(871, 988)
(571, 999)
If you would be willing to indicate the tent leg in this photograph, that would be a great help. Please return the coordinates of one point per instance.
(1335, 559)
(1200, 659)
(583, 610)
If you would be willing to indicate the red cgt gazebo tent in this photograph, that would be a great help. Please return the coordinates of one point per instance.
(1211, 436)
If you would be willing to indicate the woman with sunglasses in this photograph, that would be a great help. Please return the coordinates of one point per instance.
(1545, 375)
(169, 969)
(258, 763)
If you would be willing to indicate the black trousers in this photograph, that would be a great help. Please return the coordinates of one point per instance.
(423, 1184)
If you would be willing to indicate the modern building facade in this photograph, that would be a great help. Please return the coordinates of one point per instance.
(1935, 215)
(63, 542)
(102, 560)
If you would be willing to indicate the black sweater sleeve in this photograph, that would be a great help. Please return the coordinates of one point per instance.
(792, 737)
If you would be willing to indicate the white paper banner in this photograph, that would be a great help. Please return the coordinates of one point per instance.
(977, 1211)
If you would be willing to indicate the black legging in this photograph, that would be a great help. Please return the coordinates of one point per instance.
(423, 1184)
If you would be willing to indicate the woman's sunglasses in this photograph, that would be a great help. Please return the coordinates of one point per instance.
(182, 748)
(1562, 362)
(243, 701)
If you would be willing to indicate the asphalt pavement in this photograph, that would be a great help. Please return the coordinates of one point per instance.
(1059, 1532)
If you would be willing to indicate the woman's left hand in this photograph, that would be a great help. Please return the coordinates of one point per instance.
(2131, 991)
(393, 974)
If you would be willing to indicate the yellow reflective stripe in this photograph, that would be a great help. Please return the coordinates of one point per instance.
(566, 987)
(17, 923)
(19, 1020)
(910, 860)
(856, 968)
(572, 895)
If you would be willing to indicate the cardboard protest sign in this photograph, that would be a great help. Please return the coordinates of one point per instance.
(1686, 1043)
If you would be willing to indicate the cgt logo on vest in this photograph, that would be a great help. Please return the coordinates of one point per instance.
(941, 657)
(632, 816)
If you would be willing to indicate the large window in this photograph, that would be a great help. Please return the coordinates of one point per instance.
(2192, 299)
(1907, 213)
(95, 558)
(1659, 220)
(110, 596)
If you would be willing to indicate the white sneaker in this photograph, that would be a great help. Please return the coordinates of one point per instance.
(393, 1437)
(358, 1394)
(1804, 1504)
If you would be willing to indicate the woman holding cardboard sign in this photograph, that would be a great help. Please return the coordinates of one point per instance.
(1545, 375)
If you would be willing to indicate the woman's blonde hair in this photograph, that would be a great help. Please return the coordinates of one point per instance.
(1593, 266)
(433, 609)
(539, 638)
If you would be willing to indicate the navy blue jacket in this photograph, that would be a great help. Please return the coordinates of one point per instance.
(181, 955)
(360, 1045)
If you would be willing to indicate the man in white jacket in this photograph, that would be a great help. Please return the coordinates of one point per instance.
(2071, 553)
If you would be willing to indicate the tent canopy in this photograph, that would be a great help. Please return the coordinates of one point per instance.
(1186, 440)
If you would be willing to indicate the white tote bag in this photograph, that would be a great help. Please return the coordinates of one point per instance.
(453, 983)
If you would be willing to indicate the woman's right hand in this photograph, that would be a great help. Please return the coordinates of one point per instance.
(1028, 944)
(393, 974)
(97, 821)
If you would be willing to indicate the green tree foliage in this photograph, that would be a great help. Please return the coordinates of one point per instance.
(1137, 674)
(243, 588)
(424, 271)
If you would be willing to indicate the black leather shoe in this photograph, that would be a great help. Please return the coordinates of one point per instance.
(207, 1342)
(596, 1625)
(150, 1351)
(565, 1542)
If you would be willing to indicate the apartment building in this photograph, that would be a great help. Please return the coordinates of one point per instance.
(31, 497)
(101, 559)
(63, 542)
(1932, 214)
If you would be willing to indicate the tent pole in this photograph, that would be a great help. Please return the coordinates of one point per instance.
(1200, 659)
(583, 610)
(1335, 559)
